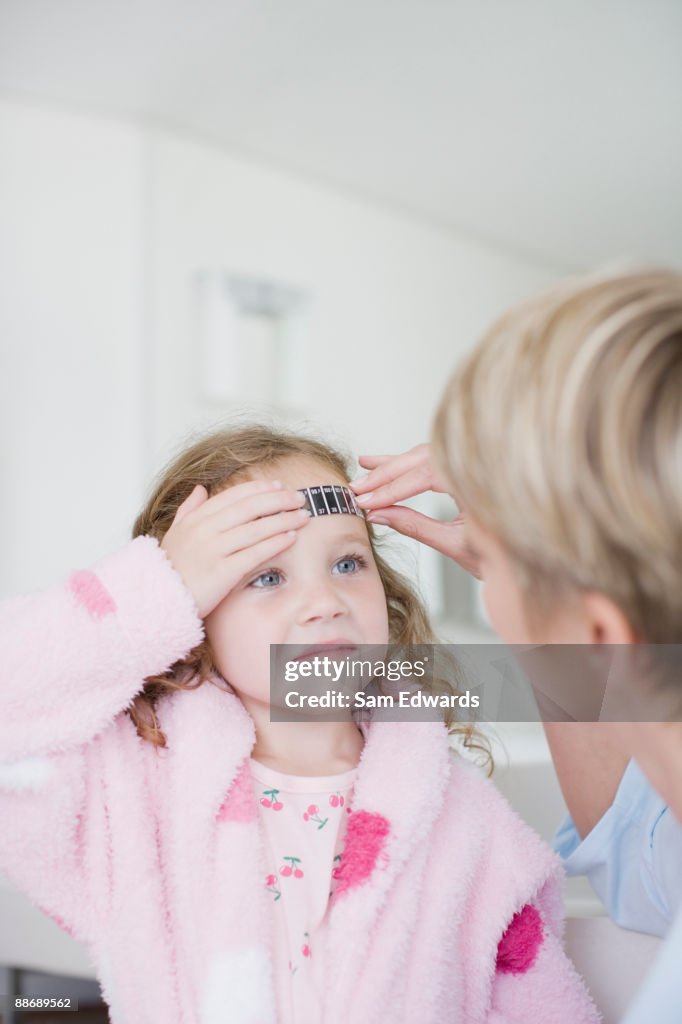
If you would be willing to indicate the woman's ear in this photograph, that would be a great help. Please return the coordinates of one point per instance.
(605, 621)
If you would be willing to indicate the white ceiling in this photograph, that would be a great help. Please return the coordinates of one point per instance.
(552, 127)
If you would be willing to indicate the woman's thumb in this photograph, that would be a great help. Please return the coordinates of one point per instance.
(411, 524)
(449, 538)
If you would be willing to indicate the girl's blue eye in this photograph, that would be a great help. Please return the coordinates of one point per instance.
(267, 579)
(348, 565)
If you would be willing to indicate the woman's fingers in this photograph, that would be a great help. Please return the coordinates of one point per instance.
(387, 467)
(407, 485)
(448, 538)
(394, 478)
(416, 525)
(372, 461)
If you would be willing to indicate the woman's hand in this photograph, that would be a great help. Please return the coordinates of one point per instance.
(393, 478)
(214, 542)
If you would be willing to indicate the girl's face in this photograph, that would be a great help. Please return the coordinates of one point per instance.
(325, 588)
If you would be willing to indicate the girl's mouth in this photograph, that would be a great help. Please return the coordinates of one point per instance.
(338, 648)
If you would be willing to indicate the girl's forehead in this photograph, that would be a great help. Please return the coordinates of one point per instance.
(297, 472)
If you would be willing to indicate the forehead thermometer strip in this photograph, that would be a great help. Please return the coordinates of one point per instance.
(330, 500)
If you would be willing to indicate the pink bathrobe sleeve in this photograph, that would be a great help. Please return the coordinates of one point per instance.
(535, 980)
(71, 660)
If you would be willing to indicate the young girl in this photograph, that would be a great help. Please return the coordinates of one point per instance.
(224, 868)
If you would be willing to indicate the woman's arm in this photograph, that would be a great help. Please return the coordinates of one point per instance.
(588, 767)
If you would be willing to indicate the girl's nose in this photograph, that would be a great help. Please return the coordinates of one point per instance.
(321, 604)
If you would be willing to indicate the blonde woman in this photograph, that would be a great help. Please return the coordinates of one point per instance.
(560, 437)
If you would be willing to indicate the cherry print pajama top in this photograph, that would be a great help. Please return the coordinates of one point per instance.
(304, 819)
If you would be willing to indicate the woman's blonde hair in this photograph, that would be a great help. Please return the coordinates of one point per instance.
(561, 433)
(219, 460)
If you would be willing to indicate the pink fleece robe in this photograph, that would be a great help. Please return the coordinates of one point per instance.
(447, 909)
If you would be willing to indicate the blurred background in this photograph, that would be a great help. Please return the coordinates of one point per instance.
(390, 175)
(305, 212)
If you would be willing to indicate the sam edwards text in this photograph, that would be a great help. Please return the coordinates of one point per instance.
(404, 699)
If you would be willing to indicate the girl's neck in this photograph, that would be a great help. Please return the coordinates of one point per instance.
(304, 748)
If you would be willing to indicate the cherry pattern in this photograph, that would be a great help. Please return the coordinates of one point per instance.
(306, 952)
(271, 799)
(291, 868)
(272, 887)
(335, 873)
(313, 814)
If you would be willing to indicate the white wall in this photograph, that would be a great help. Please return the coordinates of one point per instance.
(70, 339)
(104, 225)
(393, 301)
